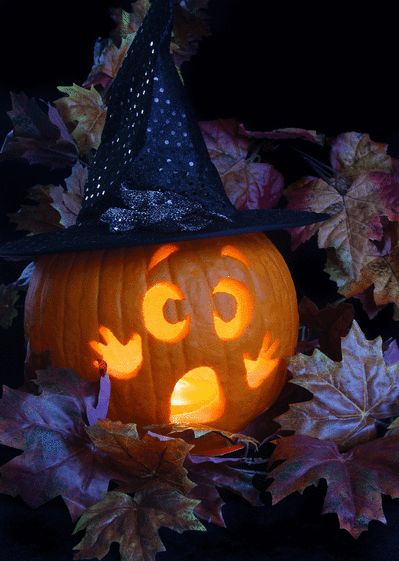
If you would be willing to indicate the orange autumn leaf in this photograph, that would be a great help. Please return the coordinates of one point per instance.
(85, 109)
(348, 396)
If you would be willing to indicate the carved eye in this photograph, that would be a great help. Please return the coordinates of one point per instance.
(235, 327)
(153, 311)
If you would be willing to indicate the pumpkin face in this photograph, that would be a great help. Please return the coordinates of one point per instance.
(192, 332)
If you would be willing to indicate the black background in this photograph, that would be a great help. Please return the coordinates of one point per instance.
(269, 64)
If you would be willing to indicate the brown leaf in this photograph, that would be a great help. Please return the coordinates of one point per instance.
(8, 299)
(152, 460)
(366, 298)
(356, 210)
(381, 273)
(353, 153)
(69, 202)
(134, 523)
(38, 218)
(128, 22)
(285, 134)
(207, 441)
(355, 479)
(249, 185)
(39, 136)
(348, 396)
(189, 27)
(107, 61)
(86, 109)
(330, 324)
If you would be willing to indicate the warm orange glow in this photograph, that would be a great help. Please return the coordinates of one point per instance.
(264, 365)
(123, 361)
(162, 253)
(231, 251)
(234, 328)
(153, 304)
(196, 397)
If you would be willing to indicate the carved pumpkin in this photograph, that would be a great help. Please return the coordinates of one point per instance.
(192, 332)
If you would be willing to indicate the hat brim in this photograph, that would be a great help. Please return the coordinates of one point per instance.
(97, 236)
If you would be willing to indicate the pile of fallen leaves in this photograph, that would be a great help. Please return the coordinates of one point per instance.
(338, 417)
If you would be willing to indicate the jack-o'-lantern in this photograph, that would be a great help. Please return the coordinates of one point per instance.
(192, 332)
(162, 278)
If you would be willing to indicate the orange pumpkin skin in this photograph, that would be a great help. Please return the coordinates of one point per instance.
(156, 313)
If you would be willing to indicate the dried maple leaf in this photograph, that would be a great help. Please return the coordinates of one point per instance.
(248, 185)
(391, 353)
(58, 458)
(38, 136)
(69, 202)
(366, 298)
(38, 218)
(150, 461)
(355, 479)
(348, 396)
(207, 441)
(354, 152)
(330, 324)
(209, 473)
(285, 134)
(108, 59)
(190, 26)
(393, 428)
(379, 274)
(8, 299)
(355, 209)
(86, 109)
(134, 523)
(128, 22)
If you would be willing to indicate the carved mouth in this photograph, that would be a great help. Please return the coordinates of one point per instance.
(196, 397)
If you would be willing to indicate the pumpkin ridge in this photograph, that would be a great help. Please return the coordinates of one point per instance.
(147, 355)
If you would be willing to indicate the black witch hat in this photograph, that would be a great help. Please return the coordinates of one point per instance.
(152, 180)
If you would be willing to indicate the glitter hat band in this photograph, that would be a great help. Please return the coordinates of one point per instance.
(152, 180)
